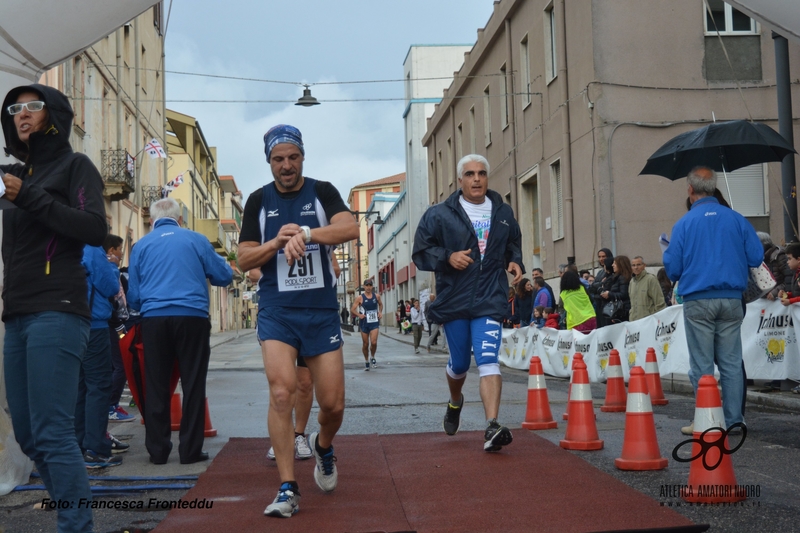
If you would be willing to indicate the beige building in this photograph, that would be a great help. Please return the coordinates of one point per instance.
(568, 99)
(355, 262)
(116, 88)
(202, 197)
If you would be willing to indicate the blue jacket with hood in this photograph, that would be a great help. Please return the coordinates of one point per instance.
(103, 279)
(60, 209)
(168, 271)
(480, 290)
(710, 251)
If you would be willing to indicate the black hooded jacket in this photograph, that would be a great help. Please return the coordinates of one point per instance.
(482, 288)
(60, 209)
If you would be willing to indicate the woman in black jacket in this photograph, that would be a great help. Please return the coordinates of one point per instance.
(617, 288)
(523, 302)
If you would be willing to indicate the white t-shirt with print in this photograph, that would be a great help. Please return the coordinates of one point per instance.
(481, 217)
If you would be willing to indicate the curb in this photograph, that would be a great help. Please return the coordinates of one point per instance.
(219, 340)
(434, 349)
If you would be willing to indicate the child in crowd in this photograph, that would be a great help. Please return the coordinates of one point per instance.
(538, 319)
(552, 318)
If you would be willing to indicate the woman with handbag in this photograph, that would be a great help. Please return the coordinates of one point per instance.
(617, 301)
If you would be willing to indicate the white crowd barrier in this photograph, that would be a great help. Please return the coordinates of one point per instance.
(769, 344)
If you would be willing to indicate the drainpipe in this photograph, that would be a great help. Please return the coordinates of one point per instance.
(119, 87)
(512, 123)
(788, 179)
(137, 45)
(566, 174)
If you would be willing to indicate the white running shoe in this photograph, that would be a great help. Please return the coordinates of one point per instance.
(301, 449)
(271, 454)
(286, 503)
(325, 473)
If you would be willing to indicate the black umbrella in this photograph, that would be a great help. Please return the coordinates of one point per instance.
(723, 146)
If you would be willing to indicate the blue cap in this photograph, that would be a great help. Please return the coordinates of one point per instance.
(282, 133)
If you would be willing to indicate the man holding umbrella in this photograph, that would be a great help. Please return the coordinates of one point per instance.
(710, 252)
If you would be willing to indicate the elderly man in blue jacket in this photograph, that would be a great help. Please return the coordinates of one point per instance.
(453, 240)
(711, 249)
(168, 272)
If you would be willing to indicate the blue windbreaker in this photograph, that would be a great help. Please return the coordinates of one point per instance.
(710, 251)
(102, 278)
(482, 288)
(168, 272)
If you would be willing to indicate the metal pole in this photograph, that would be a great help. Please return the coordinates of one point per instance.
(788, 179)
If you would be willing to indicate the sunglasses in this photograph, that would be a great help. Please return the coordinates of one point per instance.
(33, 107)
(368, 284)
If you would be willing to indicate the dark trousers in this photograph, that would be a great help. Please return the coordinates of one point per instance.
(165, 339)
(118, 377)
(94, 392)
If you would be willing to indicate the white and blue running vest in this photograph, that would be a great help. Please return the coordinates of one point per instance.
(310, 282)
(370, 307)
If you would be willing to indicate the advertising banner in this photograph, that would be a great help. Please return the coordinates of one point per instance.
(769, 344)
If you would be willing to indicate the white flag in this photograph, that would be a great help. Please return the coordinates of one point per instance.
(154, 149)
(178, 180)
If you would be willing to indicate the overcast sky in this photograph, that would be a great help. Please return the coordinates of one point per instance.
(306, 41)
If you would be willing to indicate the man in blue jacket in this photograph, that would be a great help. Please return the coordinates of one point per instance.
(710, 251)
(167, 284)
(453, 240)
(94, 387)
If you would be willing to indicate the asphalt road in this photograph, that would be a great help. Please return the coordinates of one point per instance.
(407, 394)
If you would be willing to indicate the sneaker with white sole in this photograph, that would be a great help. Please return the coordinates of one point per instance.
(301, 448)
(286, 503)
(374, 363)
(117, 446)
(118, 414)
(271, 454)
(366, 367)
(325, 473)
(496, 436)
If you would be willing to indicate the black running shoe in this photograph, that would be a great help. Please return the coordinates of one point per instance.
(452, 417)
(496, 436)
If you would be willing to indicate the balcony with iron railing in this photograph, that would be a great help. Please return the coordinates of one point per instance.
(118, 182)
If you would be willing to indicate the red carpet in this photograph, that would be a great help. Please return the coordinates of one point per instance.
(423, 482)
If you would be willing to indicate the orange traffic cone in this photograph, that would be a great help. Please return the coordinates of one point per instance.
(175, 412)
(640, 447)
(538, 415)
(654, 379)
(575, 358)
(616, 399)
(581, 427)
(209, 431)
(711, 476)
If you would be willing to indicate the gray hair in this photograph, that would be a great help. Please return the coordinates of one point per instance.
(165, 208)
(562, 268)
(640, 257)
(703, 180)
(469, 159)
(765, 238)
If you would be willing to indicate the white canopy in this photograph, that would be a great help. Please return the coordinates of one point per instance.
(782, 16)
(35, 36)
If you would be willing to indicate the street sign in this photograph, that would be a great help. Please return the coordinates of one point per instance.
(351, 286)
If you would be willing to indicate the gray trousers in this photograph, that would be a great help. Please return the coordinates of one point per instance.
(437, 329)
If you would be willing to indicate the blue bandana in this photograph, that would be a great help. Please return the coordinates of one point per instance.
(282, 133)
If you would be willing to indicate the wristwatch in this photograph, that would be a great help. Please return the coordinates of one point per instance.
(306, 234)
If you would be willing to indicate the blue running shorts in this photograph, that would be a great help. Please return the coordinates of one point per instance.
(366, 327)
(482, 336)
(310, 331)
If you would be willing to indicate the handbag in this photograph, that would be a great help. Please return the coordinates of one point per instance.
(760, 282)
(613, 308)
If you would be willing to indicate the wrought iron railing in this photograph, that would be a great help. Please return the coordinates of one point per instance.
(115, 167)
(150, 194)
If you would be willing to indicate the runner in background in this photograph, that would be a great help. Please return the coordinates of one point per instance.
(369, 309)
